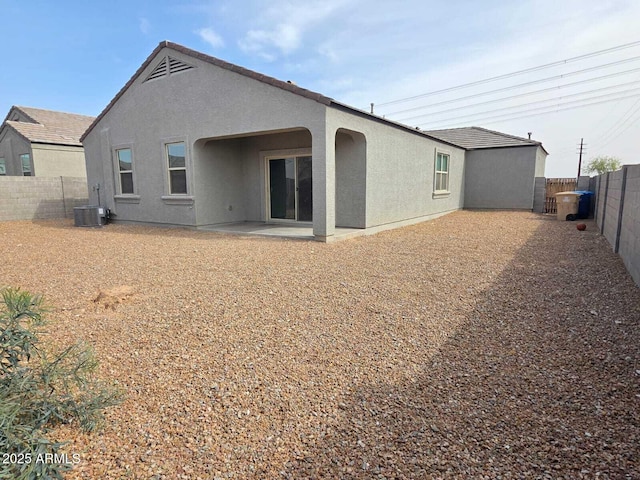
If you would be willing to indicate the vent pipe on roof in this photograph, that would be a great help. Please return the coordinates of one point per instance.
(372, 109)
(529, 133)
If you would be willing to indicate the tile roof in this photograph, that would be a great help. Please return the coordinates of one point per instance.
(484, 138)
(288, 86)
(58, 128)
(474, 138)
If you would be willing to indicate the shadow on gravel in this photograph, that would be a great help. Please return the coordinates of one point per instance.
(541, 381)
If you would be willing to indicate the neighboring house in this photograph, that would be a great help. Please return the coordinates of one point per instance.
(500, 169)
(195, 141)
(42, 143)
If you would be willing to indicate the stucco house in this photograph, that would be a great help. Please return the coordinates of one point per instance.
(499, 168)
(42, 143)
(194, 141)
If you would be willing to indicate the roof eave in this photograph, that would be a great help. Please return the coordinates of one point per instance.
(290, 87)
(61, 144)
(491, 147)
(211, 60)
(15, 107)
(391, 123)
(122, 90)
(19, 133)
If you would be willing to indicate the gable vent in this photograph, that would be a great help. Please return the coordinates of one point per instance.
(176, 66)
(168, 66)
(159, 71)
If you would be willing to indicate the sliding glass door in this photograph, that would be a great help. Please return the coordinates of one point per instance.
(290, 189)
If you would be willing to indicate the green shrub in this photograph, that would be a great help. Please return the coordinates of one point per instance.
(39, 390)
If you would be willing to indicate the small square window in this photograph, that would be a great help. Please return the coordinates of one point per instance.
(177, 164)
(25, 159)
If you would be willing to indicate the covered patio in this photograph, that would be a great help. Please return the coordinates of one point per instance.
(272, 183)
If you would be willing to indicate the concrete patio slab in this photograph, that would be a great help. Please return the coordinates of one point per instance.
(279, 230)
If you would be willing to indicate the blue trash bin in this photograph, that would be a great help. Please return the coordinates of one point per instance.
(584, 204)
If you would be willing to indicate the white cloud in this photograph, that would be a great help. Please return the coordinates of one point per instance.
(285, 37)
(211, 37)
(360, 52)
(145, 25)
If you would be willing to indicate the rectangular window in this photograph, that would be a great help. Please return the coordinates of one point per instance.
(442, 172)
(177, 168)
(25, 158)
(125, 168)
(3, 166)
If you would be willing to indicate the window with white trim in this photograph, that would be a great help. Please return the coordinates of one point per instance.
(25, 159)
(442, 172)
(125, 171)
(3, 166)
(177, 165)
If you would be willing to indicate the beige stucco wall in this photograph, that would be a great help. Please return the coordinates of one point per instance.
(501, 178)
(541, 158)
(58, 160)
(226, 120)
(205, 103)
(400, 170)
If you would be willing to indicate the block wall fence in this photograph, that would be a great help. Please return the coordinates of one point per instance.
(32, 198)
(617, 214)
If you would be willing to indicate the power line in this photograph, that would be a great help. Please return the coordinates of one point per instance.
(622, 120)
(513, 74)
(471, 105)
(462, 117)
(481, 94)
(620, 133)
(629, 120)
(534, 114)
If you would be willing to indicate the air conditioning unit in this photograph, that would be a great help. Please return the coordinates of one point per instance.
(87, 216)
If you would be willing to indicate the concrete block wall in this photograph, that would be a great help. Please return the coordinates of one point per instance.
(618, 214)
(629, 239)
(31, 198)
(609, 228)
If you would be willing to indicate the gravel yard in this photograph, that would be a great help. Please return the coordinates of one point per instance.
(478, 345)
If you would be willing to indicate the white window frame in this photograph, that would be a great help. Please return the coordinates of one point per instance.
(446, 173)
(22, 165)
(177, 198)
(119, 171)
(120, 197)
(177, 169)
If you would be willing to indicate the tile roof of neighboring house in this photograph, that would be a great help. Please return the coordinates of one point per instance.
(57, 128)
(475, 138)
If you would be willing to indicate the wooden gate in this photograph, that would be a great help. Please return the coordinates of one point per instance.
(553, 186)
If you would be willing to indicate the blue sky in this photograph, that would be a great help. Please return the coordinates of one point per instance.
(74, 56)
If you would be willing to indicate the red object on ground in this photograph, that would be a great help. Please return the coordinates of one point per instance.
(581, 226)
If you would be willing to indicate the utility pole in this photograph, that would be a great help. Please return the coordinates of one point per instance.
(580, 158)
